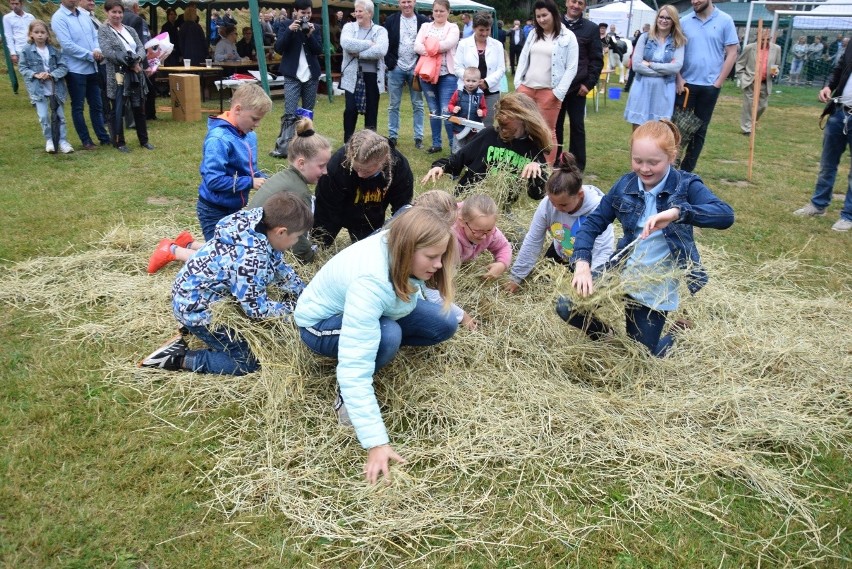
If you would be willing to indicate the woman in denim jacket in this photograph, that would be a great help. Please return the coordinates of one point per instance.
(656, 61)
(657, 206)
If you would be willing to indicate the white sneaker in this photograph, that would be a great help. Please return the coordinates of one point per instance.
(49, 148)
(809, 210)
(65, 148)
(842, 225)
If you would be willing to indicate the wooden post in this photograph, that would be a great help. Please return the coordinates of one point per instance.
(755, 99)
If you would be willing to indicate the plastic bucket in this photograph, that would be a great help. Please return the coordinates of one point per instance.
(615, 93)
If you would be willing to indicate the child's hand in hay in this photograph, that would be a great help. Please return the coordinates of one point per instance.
(660, 221)
(469, 322)
(378, 462)
(531, 170)
(494, 270)
(582, 281)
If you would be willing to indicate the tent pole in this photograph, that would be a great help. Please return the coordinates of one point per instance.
(254, 12)
(326, 49)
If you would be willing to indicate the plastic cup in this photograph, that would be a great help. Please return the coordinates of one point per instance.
(208, 62)
(773, 70)
(187, 63)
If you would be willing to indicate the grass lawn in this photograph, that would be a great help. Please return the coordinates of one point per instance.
(93, 474)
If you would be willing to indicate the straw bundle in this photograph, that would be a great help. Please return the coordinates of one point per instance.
(523, 439)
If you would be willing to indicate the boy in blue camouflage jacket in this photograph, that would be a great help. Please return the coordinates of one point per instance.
(245, 255)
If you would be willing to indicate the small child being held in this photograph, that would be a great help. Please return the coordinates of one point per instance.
(44, 73)
(239, 262)
(560, 217)
(468, 103)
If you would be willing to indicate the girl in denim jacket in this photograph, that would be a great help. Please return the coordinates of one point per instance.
(657, 206)
(44, 72)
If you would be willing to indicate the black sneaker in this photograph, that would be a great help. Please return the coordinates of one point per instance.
(435, 149)
(418, 143)
(169, 356)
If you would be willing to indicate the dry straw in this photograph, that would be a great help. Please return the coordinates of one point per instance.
(523, 439)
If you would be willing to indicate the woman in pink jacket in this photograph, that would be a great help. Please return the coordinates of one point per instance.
(443, 37)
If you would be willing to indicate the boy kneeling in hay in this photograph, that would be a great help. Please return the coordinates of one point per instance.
(245, 255)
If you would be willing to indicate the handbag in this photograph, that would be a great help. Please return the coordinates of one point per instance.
(360, 94)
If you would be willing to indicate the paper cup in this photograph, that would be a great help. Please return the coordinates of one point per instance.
(208, 62)
(187, 63)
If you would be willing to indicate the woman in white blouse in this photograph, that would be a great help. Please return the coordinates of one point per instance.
(553, 49)
(485, 53)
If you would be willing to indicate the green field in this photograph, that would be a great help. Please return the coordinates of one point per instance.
(106, 467)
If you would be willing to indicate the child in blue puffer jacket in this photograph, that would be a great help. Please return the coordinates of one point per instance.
(657, 206)
(229, 160)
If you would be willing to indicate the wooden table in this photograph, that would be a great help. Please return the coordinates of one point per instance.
(198, 70)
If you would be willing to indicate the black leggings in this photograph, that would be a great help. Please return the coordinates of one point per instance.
(371, 116)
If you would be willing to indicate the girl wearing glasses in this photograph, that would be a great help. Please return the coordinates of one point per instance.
(657, 60)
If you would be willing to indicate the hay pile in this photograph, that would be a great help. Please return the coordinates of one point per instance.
(523, 439)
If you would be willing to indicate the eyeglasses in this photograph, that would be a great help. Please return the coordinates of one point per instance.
(665, 18)
(477, 232)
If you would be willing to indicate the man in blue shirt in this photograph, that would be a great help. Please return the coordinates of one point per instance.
(467, 26)
(81, 52)
(711, 51)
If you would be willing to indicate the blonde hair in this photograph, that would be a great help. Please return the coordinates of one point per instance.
(439, 202)
(306, 143)
(678, 37)
(35, 23)
(478, 205)
(419, 228)
(663, 132)
(366, 146)
(251, 97)
(472, 72)
(517, 106)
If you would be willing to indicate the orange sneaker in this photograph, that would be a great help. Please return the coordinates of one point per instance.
(183, 239)
(161, 257)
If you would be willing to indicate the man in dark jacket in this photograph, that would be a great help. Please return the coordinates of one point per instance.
(516, 43)
(400, 60)
(589, 65)
(300, 43)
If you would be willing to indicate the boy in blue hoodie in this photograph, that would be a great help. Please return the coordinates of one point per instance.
(245, 255)
(229, 160)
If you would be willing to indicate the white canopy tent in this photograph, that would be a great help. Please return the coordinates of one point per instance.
(831, 15)
(627, 16)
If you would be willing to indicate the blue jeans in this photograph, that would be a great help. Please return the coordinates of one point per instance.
(209, 216)
(702, 101)
(43, 111)
(397, 79)
(834, 143)
(643, 324)
(83, 88)
(438, 97)
(427, 325)
(227, 353)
